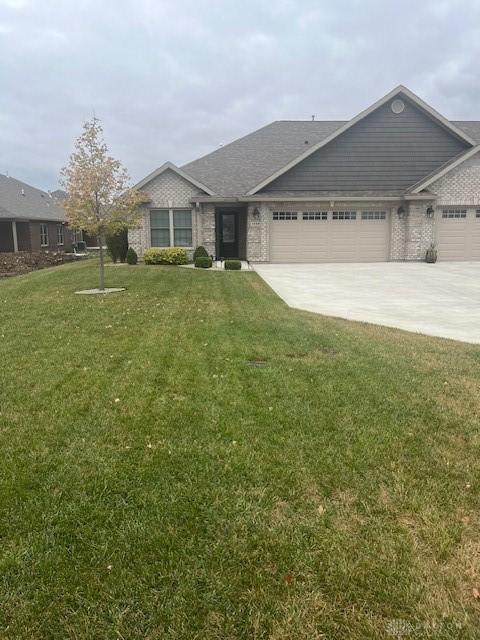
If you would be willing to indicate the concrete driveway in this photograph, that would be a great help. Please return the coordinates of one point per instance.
(442, 299)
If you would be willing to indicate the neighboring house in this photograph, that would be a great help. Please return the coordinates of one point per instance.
(78, 235)
(30, 219)
(382, 186)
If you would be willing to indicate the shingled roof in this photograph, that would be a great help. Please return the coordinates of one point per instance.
(235, 168)
(20, 200)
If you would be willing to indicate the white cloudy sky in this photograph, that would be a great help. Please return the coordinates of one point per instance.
(174, 79)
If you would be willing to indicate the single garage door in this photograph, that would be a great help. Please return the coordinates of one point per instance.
(458, 234)
(329, 236)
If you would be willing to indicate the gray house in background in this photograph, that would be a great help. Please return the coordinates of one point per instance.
(382, 186)
(30, 219)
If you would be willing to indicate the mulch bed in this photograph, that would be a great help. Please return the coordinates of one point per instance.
(14, 264)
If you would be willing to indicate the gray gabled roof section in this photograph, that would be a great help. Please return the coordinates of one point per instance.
(181, 172)
(400, 90)
(21, 201)
(471, 128)
(234, 168)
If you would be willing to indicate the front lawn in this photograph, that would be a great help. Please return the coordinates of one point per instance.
(193, 459)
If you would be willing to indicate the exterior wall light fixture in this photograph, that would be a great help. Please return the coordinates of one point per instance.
(402, 214)
(256, 214)
(430, 212)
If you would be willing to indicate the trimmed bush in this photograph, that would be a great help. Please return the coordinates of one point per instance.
(132, 257)
(117, 245)
(203, 262)
(200, 252)
(152, 256)
(169, 255)
(233, 265)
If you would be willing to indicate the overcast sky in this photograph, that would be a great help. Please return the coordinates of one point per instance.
(173, 80)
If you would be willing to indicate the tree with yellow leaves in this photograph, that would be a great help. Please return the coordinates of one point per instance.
(99, 199)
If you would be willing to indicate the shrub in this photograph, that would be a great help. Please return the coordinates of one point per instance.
(200, 252)
(203, 262)
(152, 256)
(117, 245)
(170, 255)
(233, 265)
(132, 257)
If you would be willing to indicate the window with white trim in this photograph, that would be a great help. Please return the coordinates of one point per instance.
(344, 215)
(374, 215)
(43, 234)
(454, 213)
(315, 215)
(60, 234)
(171, 228)
(285, 215)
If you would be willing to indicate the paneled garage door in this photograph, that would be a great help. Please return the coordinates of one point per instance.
(458, 234)
(329, 236)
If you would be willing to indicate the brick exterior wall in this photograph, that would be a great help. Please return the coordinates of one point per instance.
(461, 186)
(258, 232)
(168, 190)
(206, 234)
(398, 233)
(419, 234)
(410, 236)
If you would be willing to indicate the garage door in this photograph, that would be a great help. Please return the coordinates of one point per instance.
(458, 234)
(329, 236)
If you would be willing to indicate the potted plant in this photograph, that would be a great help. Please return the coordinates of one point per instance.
(431, 255)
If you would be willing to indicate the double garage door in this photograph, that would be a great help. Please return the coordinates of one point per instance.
(458, 234)
(329, 236)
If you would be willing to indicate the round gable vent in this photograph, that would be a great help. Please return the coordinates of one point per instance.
(398, 106)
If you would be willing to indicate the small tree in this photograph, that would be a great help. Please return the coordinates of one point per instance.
(98, 198)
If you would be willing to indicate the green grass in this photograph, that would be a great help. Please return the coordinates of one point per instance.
(154, 485)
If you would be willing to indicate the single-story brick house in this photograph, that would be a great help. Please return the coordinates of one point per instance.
(382, 186)
(30, 219)
(34, 220)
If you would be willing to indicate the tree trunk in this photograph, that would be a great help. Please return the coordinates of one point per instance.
(102, 263)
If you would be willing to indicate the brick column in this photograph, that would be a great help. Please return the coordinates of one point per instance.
(419, 230)
(258, 233)
(398, 232)
(206, 228)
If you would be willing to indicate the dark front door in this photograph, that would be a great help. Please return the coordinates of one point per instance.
(228, 236)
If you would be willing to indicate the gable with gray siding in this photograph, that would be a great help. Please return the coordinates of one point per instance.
(383, 151)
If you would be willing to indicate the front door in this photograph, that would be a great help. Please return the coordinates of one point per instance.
(228, 228)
